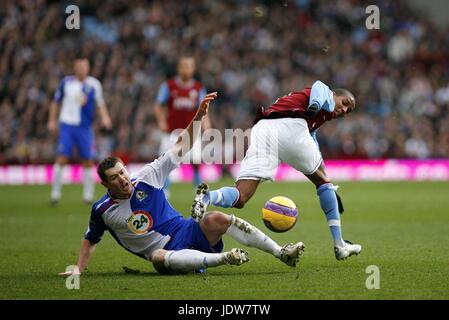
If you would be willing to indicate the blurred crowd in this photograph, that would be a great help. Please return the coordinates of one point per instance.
(251, 52)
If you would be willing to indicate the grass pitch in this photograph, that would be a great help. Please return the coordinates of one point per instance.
(403, 228)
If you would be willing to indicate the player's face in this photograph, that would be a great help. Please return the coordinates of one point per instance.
(343, 105)
(186, 68)
(118, 182)
(81, 68)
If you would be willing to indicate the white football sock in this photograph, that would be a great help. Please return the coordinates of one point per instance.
(88, 185)
(187, 260)
(250, 236)
(57, 182)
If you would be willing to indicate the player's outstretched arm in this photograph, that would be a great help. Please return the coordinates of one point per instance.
(157, 171)
(190, 134)
(86, 251)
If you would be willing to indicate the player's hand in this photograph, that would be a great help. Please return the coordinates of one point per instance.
(204, 105)
(107, 124)
(163, 126)
(52, 127)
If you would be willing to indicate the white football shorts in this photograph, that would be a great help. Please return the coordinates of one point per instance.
(273, 141)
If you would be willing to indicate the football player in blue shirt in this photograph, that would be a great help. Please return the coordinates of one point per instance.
(137, 214)
(78, 97)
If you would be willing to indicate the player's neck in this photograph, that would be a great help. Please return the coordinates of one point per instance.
(81, 78)
(120, 196)
(184, 81)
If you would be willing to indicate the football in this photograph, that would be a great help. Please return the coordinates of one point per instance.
(279, 214)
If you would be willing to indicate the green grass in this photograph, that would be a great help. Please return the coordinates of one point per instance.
(403, 227)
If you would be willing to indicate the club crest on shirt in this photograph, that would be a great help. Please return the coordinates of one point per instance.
(140, 195)
(140, 222)
(193, 94)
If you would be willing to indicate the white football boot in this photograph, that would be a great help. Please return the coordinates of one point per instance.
(347, 250)
(200, 202)
(235, 257)
(291, 253)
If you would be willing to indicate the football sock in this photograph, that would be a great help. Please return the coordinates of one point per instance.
(329, 204)
(224, 197)
(88, 185)
(57, 182)
(187, 260)
(250, 236)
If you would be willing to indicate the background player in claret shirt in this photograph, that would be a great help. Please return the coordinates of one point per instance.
(180, 95)
(78, 96)
(139, 217)
(286, 132)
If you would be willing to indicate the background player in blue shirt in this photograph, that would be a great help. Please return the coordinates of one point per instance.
(138, 215)
(78, 97)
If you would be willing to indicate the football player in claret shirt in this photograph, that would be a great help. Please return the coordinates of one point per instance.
(286, 132)
(176, 104)
(138, 215)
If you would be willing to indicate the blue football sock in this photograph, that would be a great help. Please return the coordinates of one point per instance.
(196, 177)
(329, 204)
(224, 197)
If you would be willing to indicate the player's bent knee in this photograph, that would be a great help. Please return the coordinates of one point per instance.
(158, 260)
(239, 204)
(216, 221)
(246, 188)
(158, 256)
(319, 177)
(62, 160)
(243, 199)
(87, 163)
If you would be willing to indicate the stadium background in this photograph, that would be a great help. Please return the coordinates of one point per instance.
(251, 52)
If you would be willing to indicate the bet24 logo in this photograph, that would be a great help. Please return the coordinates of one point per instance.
(140, 222)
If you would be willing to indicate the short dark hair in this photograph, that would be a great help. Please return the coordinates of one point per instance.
(81, 57)
(344, 92)
(186, 56)
(106, 164)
